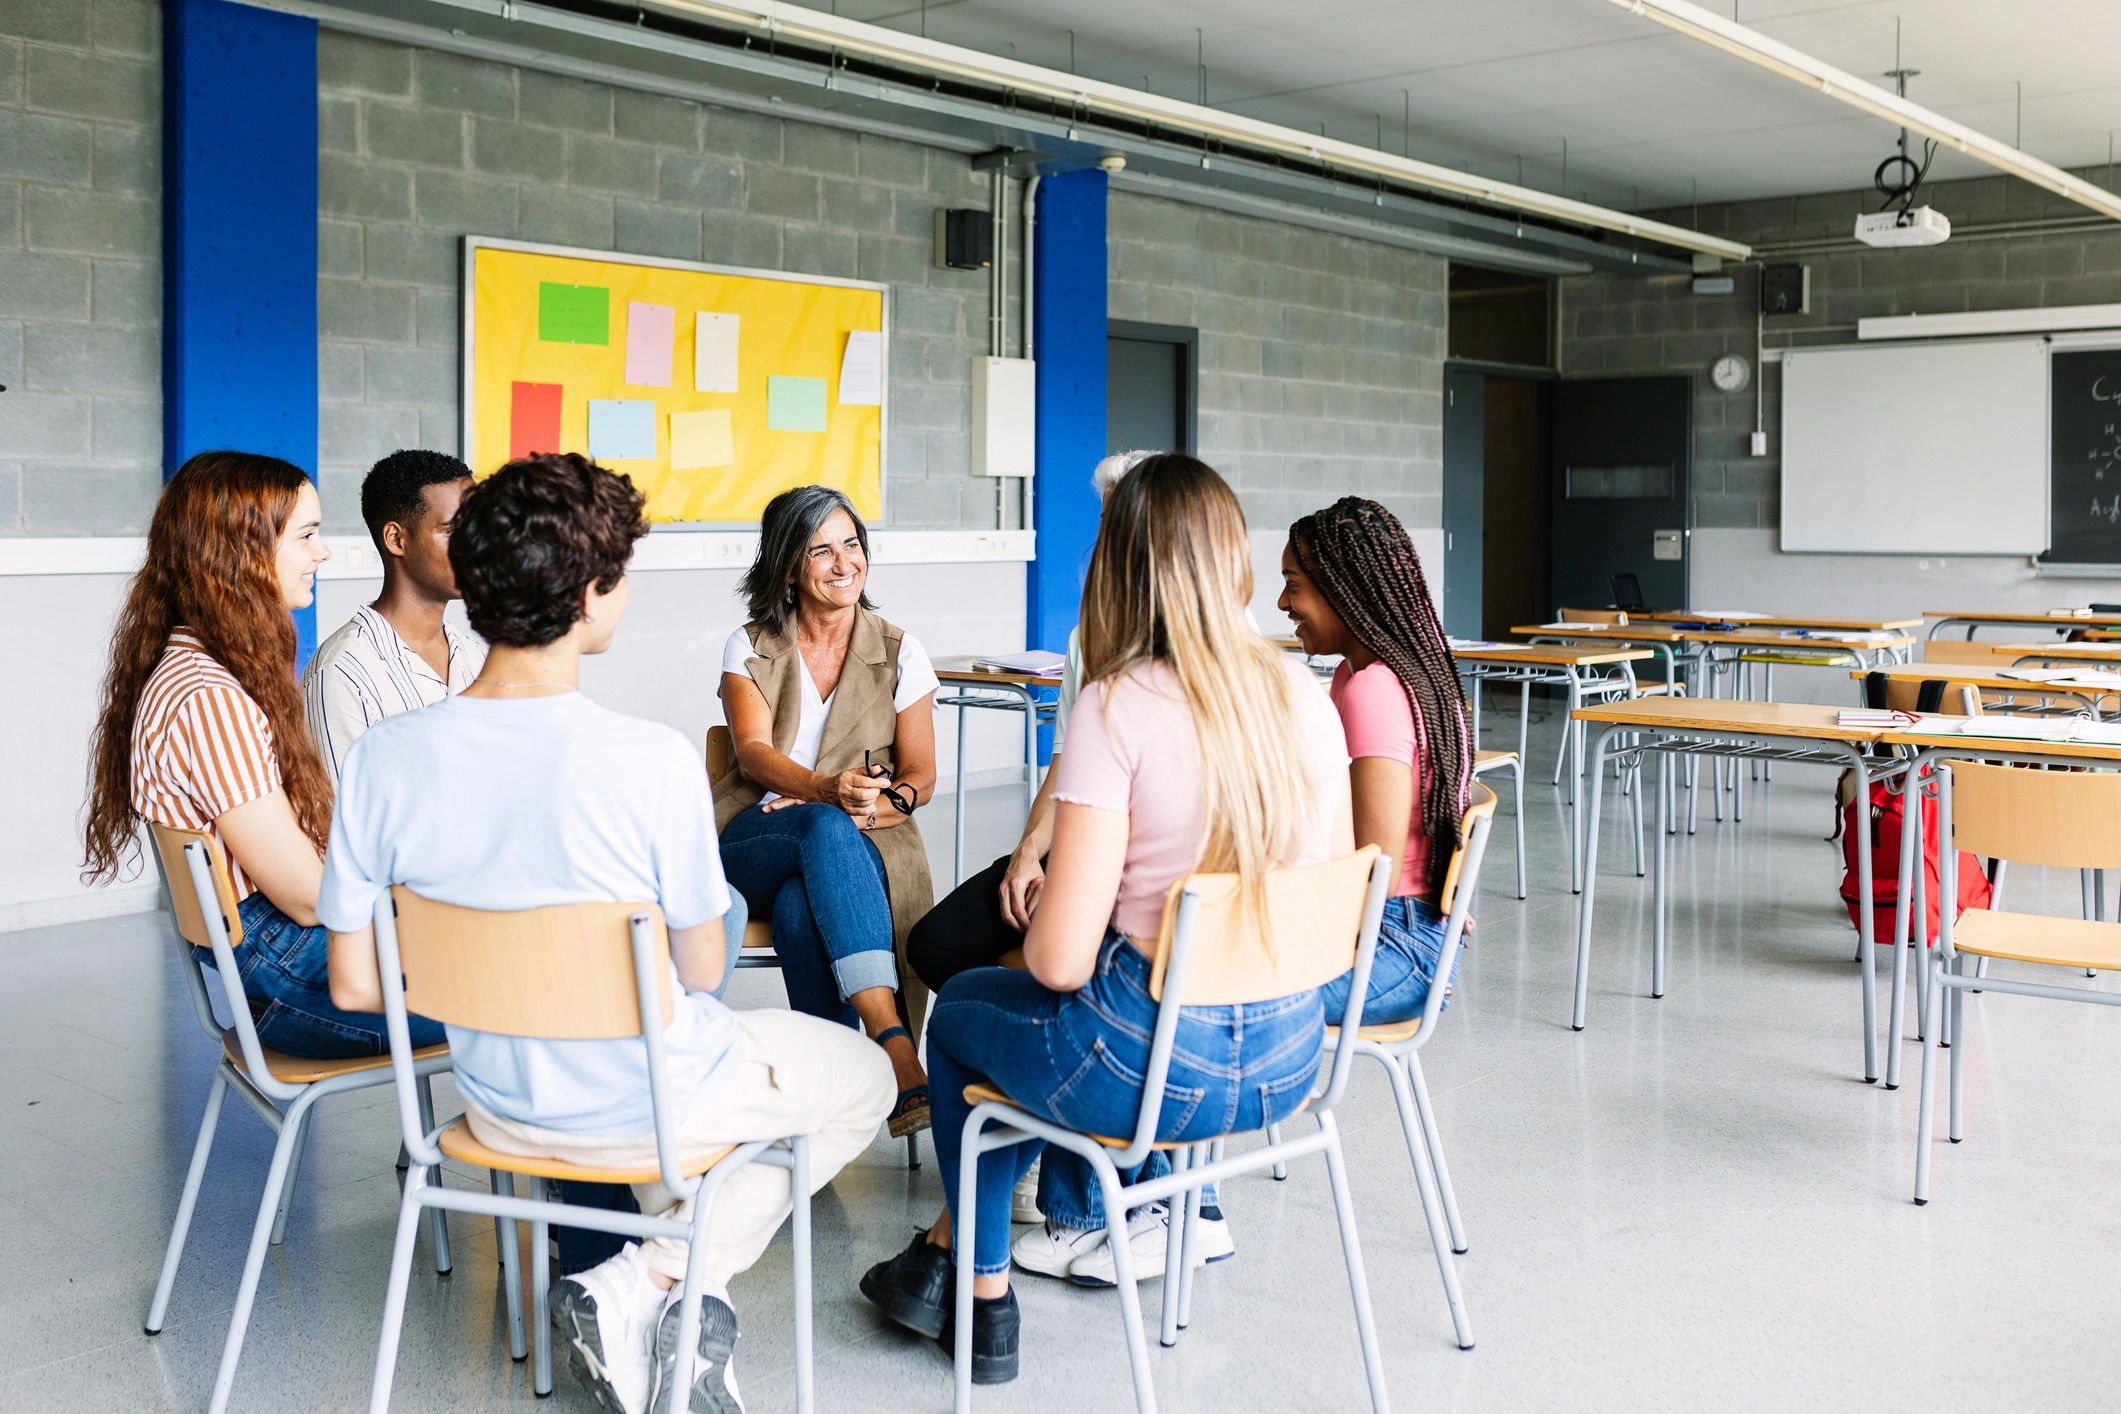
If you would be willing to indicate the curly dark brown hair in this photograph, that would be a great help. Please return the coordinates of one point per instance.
(209, 568)
(533, 535)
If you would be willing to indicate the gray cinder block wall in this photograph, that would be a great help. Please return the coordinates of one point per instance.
(1622, 326)
(421, 148)
(80, 265)
(1321, 356)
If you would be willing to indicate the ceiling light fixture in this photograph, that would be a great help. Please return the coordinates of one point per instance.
(1085, 96)
(1793, 64)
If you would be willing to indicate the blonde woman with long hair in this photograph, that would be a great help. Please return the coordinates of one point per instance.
(1195, 745)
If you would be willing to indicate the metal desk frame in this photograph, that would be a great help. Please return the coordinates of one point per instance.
(1004, 694)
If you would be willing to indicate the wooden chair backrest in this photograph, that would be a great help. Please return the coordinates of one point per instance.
(1905, 695)
(561, 973)
(2062, 819)
(1313, 917)
(1479, 801)
(183, 898)
(1615, 618)
(721, 754)
(1960, 650)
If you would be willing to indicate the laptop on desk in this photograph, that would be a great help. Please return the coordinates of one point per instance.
(1627, 594)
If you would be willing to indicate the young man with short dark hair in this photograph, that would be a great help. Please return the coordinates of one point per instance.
(397, 653)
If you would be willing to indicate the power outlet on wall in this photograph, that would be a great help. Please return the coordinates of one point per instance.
(1759, 444)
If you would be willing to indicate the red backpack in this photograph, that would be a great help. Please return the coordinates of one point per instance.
(1887, 819)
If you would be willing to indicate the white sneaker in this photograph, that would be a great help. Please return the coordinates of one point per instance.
(1023, 1199)
(608, 1314)
(1052, 1250)
(713, 1374)
(1148, 1233)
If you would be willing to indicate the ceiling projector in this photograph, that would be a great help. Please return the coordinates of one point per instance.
(1921, 225)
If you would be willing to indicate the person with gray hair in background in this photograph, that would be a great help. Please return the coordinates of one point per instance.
(831, 711)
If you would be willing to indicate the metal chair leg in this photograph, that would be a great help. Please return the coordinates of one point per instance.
(1190, 1238)
(1130, 1305)
(287, 1189)
(441, 1219)
(193, 1178)
(1433, 1137)
(1280, 1169)
(1923, 1120)
(1517, 803)
(1630, 776)
(1957, 1003)
(799, 1193)
(394, 1292)
(1373, 1367)
(1174, 1253)
(254, 1261)
(913, 1152)
(504, 1230)
(540, 1296)
(1431, 1205)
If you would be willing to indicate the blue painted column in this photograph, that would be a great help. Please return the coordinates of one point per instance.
(1068, 340)
(239, 237)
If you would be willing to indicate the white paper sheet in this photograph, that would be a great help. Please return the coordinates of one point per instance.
(714, 365)
(862, 369)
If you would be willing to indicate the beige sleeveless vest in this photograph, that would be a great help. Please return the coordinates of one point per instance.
(860, 718)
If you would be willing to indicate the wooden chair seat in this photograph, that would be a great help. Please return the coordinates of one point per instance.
(2031, 937)
(301, 1070)
(1389, 1033)
(1491, 760)
(980, 1093)
(459, 1143)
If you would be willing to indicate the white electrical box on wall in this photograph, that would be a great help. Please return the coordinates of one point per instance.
(1004, 416)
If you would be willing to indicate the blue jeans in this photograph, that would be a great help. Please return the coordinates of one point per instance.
(286, 966)
(1409, 945)
(813, 873)
(1077, 1058)
(584, 1247)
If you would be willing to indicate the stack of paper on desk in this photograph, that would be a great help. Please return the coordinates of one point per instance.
(1037, 663)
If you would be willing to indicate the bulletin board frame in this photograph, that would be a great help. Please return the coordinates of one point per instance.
(469, 368)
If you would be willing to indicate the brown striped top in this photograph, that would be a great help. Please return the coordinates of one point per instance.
(201, 746)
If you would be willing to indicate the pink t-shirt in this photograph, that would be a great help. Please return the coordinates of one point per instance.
(1132, 747)
(1381, 721)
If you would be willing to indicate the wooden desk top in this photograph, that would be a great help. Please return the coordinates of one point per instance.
(1784, 621)
(2040, 618)
(1915, 737)
(1975, 675)
(1736, 638)
(1549, 655)
(1682, 714)
(960, 670)
(2057, 648)
(1619, 633)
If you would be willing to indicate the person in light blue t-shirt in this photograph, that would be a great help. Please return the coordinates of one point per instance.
(520, 793)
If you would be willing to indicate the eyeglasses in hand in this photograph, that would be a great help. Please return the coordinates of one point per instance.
(901, 797)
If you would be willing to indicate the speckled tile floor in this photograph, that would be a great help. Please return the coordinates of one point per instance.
(1695, 1203)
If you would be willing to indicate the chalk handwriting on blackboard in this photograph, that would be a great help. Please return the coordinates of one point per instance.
(2100, 393)
(2110, 512)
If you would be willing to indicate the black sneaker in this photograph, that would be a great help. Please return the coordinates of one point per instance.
(913, 1288)
(995, 1322)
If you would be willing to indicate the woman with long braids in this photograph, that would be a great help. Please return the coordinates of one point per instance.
(1353, 586)
(202, 729)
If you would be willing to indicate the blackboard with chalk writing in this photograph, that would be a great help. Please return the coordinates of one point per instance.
(2084, 457)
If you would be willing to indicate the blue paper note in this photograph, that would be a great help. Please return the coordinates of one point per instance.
(621, 427)
(795, 404)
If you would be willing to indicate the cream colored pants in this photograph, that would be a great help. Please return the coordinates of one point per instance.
(797, 1075)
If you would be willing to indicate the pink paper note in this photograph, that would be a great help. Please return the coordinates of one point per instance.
(649, 329)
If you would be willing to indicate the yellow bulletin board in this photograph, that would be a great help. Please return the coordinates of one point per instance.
(750, 381)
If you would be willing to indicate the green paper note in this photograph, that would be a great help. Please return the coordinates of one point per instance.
(795, 404)
(574, 314)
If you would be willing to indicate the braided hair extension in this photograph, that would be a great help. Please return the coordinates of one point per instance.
(1359, 556)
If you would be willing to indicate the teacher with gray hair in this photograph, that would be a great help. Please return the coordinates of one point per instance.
(831, 711)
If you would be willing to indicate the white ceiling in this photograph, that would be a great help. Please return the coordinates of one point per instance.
(1646, 114)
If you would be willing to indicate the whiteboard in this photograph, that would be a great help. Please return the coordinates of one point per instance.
(1916, 448)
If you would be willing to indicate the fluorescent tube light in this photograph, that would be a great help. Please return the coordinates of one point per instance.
(1991, 321)
(1793, 64)
(1092, 96)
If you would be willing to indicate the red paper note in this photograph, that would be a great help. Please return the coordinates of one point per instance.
(533, 419)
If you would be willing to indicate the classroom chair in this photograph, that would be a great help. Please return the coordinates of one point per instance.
(1397, 1047)
(284, 1090)
(1322, 920)
(1487, 761)
(2061, 819)
(493, 972)
(758, 932)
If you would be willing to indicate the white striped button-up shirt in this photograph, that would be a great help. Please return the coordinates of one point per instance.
(366, 672)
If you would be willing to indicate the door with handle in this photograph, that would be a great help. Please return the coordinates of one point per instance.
(1622, 489)
(1464, 495)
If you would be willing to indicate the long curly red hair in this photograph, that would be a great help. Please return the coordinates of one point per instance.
(212, 552)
